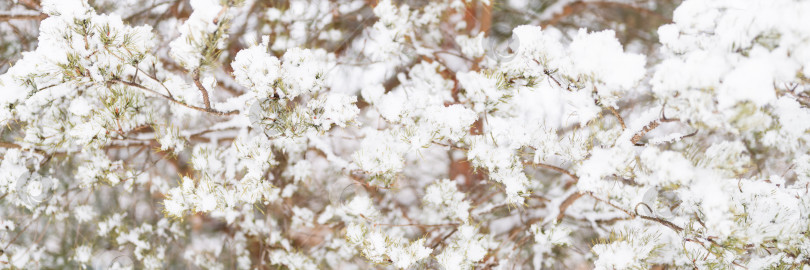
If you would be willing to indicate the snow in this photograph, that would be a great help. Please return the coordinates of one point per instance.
(445, 197)
(67, 8)
(257, 70)
(302, 71)
(479, 89)
(83, 254)
(472, 47)
(337, 109)
(600, 55)
(739, 85)
(405, 257)
(80, 106)
(372, 93)
(361, 206)
(450, 122)
(387, 34)
(380, 154)
(581, 106)
(792, 116)
(603, 162)
(458, 148)
(188, 48)
(619, 255)
(467, 247)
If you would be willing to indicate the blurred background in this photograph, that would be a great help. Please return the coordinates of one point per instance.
(635, 21)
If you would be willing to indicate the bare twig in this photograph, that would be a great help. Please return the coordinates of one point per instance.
(444, 238)
(635, 214)
(637, 137)
(566, 203)
(551, 167)
(208, 110)
(196, 77)
(619, 117)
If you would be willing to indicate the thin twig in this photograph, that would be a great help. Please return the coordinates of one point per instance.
(552, 167)
(637, 137)
(208, 110)
(416, 225)
(661, 221)
(619, 117)
(196, 77)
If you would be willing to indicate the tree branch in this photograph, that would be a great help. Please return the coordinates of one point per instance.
(637, 137)
(661, 221)
(9, 145)
(208, 110)
(578, 6)
(24, 16)
(619, 117)
(566, 203)
(552, 167)
(196, 77)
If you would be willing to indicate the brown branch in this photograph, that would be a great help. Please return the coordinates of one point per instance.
(803, 100)
(439, 241)
(590, 194)
(451, 146)
(549, 74)
(30, 4)
(17, 146)
(656, 219)
(415, 224)
(222, 12)
(169, 92)
(551, 167)
(10, 145)
(578, 6)
(9, 17)
(671, 225)
(196, 77)
(619, 117)
(208, 110)
(637, 137)
(566, 203)
(145, 10)
(661, 221)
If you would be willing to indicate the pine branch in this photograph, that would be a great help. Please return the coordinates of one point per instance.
(208, 110)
